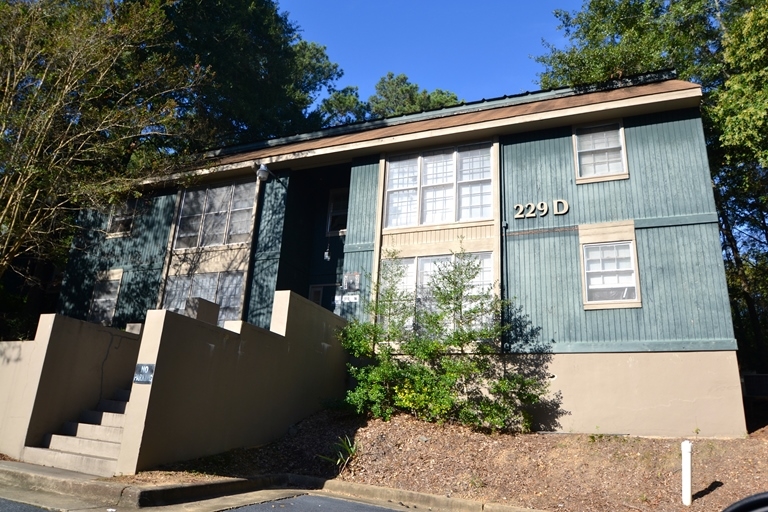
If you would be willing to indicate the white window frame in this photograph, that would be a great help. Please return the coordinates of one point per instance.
(114, 278)
(605, 235)
(188, 285)
(208, 218)
(417, 274)
(121, 217)
(444, 184)
(609, 126)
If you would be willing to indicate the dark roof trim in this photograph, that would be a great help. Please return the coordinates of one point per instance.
(475, 106)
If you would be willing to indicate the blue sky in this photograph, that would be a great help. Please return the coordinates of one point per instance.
(475, 48)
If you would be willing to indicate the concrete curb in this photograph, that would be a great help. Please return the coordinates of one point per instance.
(38, 478)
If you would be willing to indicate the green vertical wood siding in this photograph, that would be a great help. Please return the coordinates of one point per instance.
(668, 174)
(669, 197)
(361, 230)
(141, 256)
(268, 238)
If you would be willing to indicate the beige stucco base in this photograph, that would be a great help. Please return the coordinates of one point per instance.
(669, 394)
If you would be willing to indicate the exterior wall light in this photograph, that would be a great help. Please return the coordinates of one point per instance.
(263, 173)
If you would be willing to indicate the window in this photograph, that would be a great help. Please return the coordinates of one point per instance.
(609, 266)
(223, 288)
(121, 218)
(104, 298)
(600, 154)
(609, 272)
(338, 206)
(414, 292)
(216, 216)
(439, 187)
(419, 271)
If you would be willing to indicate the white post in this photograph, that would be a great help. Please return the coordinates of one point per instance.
(685, 447)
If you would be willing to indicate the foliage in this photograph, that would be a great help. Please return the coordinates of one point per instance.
(265, 77)
(88, 106)
(741, 109)
(395, 96)
(722, 46)
(346, 451)
(434, 352)
(617, 38)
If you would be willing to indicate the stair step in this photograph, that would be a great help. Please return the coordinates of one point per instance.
(107, 419)
(122, 394)
(84, 446)
(88, 431)
(117, 406)
(88, 464)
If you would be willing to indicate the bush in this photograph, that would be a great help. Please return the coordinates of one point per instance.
(435, 352)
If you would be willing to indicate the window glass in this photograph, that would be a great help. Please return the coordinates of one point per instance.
(104, 298)
(216, 216)
(610, 272)
(222, 288)
(401, 208)
(439, 187)
(600, 151)
(121, 218)
(338, 208)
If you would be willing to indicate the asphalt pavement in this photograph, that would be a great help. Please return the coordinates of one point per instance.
(30, 488)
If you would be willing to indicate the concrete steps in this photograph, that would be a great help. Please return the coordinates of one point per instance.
(88, 464)
(90, 445)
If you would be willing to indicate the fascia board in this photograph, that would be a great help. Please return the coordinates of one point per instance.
(307, 158)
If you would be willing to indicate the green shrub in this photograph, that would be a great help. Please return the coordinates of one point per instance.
(435, 353)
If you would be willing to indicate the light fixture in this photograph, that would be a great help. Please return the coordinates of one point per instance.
(263, 173)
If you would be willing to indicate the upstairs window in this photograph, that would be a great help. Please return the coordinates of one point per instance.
(600, 154)
(439, 187)
(216, 216)
(121, 218)
(338, 207)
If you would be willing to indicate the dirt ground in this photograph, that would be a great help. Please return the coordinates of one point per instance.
(556, 472)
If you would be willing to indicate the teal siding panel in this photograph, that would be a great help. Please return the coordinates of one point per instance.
(684, 301)
(668, 174)
(683, 283)
(265, 262)
(543, 277)
(538, 167)
(141, 255)
(261, 294)
(361, 233)
(668, 166)
(668, 195)
(361, 224)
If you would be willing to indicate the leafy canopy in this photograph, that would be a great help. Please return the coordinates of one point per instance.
(88, 106)
(395, 96)
(264, 77)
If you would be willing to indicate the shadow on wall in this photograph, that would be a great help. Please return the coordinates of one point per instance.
(139, 252)
(526, 354)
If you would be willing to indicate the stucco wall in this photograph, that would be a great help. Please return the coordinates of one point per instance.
(15, 402)
(66, 369)
(216, 389)
(673, 394)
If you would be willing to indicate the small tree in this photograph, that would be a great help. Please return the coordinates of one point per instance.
(435, 352)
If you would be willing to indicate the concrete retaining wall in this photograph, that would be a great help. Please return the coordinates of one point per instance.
(67, 368)
(215, 389)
